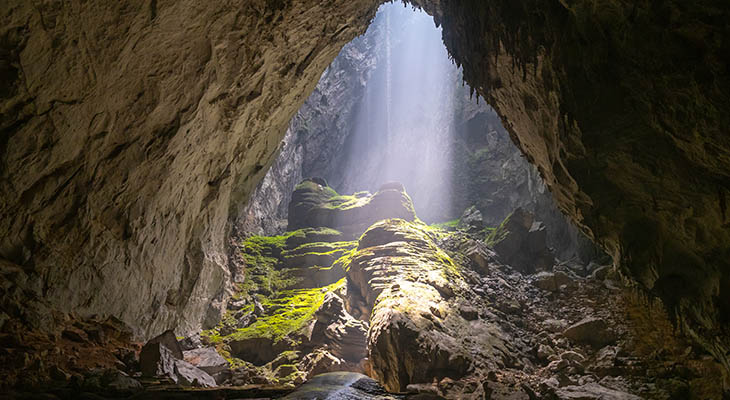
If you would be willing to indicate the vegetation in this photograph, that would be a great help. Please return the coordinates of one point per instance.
(284, 315)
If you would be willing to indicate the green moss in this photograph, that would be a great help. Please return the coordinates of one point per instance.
(345, 202)
(285, 314)
(320, 248)
(315, 187)
(448, 225)
(495, 235)
(345, 259)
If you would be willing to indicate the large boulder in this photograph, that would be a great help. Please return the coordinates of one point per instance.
(520, 241)
(158, 360)
(207, 359)
(169, 340)
(413, 293)
(593, 331)
(317, 205)
(345, 336)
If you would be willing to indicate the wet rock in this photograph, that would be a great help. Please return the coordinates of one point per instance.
(339, 385)
(207, 359)
(593, 331)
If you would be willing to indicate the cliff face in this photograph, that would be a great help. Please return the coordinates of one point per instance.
(620, 108)
(132, 133)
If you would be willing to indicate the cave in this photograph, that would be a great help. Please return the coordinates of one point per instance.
(165, 177)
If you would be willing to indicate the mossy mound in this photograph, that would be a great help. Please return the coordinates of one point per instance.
(413, 294)
(315, 205)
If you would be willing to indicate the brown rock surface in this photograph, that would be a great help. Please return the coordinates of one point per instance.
(414, 293)
(131, 133)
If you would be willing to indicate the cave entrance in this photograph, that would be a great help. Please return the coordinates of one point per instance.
(391, 131)
(393, 106)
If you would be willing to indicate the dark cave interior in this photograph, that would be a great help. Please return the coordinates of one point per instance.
(298, 199)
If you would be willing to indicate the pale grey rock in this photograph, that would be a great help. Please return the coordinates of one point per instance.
(551, 281)
(592, 391)
(206, 359)
(593, 331)
(187, 374)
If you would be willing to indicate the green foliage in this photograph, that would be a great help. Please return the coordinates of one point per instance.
(284, 314)
(448, 225)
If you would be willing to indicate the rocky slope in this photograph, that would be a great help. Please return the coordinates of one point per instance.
(428, 313)
(133, 132)
(325, 138)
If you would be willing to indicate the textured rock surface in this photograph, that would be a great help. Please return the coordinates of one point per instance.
(315, 205)
(620, 107)
(131, 133)
(412, 290)
(128, 142)
(520, 241)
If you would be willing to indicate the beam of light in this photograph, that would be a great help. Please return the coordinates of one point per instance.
(403, 127)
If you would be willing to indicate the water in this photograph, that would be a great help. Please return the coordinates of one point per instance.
(341, 386)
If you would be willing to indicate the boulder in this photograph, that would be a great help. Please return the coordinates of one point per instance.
(415, 295)
(187, 374)
(207, 359)
(551, 281)
(168, 340)
(316, 205)
(593, 331)
(480, 256)
(156, 360)
(471, 220)
(521, 243)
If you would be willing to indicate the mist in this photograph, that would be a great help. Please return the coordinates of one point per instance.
(403, 127)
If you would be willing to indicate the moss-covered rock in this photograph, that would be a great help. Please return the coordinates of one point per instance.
(315, 205)
(412, 292)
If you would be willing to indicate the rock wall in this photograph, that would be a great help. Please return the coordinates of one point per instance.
(133, 132)
(620, 107)
(314, 141)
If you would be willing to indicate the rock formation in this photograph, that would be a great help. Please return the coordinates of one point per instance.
(133, 132)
